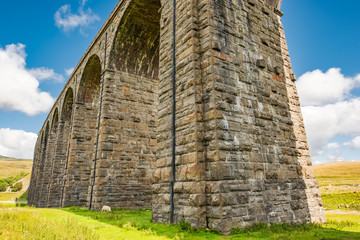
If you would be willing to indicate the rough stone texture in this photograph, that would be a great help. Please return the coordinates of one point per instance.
(241, 150)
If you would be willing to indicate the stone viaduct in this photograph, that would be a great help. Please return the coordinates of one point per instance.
(241, 153)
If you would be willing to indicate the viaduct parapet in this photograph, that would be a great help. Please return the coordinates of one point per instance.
(241, 153)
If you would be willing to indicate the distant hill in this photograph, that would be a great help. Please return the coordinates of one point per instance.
(10, 167)
(338, 173)
(13, 159)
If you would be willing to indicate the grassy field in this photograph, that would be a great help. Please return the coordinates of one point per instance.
(79, 223)
(338, 173)
(339, 187)
(11, 167)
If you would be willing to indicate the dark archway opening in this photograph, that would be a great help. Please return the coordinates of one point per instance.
(89, 89)
(136, 46)
(55, 121)
(67, 105)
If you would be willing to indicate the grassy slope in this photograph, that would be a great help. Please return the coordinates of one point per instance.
(340, 186)
(29, 223)
(338, 173)
(10, 167)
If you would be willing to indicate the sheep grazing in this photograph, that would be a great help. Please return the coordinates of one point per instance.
(106, 209)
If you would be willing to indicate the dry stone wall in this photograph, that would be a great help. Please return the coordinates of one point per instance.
(241, 152)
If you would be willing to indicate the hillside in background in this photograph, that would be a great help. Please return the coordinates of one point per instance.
(10, 167)
(338, 173)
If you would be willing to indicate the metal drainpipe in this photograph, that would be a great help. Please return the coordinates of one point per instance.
(68, 147)
(98, 129)
(173, 117)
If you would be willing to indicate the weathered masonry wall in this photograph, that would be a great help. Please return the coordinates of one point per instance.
(64, 162)
(241, 150)
(242, 155)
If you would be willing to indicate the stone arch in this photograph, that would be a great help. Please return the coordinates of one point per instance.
(41, 167)
(135, 49)
(67, 107)
(129, 109)
(89, 87)
(46, 137)
(55, 120)
(35, 171)
(84, 132)
(60, 155)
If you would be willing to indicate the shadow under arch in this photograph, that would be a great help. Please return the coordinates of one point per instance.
(135, 48)
(67, 107)
(55, 120)
(89, 87)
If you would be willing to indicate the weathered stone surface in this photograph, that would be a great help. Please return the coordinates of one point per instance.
(241, 150)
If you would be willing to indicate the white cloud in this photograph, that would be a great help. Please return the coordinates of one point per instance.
(317, 88)
(333, 145)
(325, 122)
(354, 143)
(66, 20)
(69, 71)
(19, 89)
(45, 74)
(17, 143)
(329, 110)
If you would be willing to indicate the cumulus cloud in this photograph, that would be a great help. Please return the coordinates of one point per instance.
(354, 143)
(329, 110)
(333, 145)
(325, 122)
(45, 74)
(19, 87)
(317, 88)
(69, 71)
(66, 20)
(17, 143)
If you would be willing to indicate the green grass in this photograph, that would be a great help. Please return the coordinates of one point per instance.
(349, 201)
(80, 223)
(10, 181)
(9, 196)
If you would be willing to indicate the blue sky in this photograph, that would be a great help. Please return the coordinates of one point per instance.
(46, 40)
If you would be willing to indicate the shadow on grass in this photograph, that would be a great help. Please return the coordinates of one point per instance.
(141, 220)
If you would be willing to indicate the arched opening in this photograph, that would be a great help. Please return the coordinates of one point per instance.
(33, 196)
(55, 121)
(136, 46)
(42, 173)
(50, 156)
(61, 150)
(67, 105)
(84, 131)
(89, 89)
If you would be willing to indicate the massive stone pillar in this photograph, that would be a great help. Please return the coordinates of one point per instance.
(127, 140)
(41, 175)
(83, 136)
(241, 150)
(34, 171)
